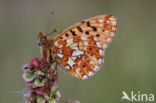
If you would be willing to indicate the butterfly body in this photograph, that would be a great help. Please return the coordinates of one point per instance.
(79, 49)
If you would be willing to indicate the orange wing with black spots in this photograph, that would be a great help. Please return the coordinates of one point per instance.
(103, 27)
(79, 49)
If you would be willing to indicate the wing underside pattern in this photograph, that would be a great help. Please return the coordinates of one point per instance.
(80, 48)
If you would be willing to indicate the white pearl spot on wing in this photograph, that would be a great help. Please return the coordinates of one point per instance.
(95, 38)
(56, 43)
(60, 55)
(90, 73)
(77, 71)
(67, 67)
(98, 44)
(100, 52)
(96, 68)
(100, 60)
(101, 20)
(77, 53)
(84, 77)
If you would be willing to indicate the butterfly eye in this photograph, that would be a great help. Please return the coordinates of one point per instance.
(42, 41)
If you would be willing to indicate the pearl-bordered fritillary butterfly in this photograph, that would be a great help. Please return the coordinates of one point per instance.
(80, 48)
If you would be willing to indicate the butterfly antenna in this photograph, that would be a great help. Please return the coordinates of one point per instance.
(55, 30)
(52, 13)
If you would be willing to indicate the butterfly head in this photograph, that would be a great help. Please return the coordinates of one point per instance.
(45, 43)
(42, 39)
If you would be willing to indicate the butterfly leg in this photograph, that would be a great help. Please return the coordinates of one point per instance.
(56, 66)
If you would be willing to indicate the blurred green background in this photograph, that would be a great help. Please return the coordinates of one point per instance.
(130, 61)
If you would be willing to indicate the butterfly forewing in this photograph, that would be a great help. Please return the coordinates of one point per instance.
(80, 48)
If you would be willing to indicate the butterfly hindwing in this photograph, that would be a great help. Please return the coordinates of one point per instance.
(84, 57)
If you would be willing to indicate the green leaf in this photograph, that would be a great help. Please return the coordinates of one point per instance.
(29, 76)
(35, 63)
(26, 66)
(51, 100)
(40, 99)
(39, 83)
(40, 73)
(53, 92)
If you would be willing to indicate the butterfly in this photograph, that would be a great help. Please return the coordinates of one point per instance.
(79, 49)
